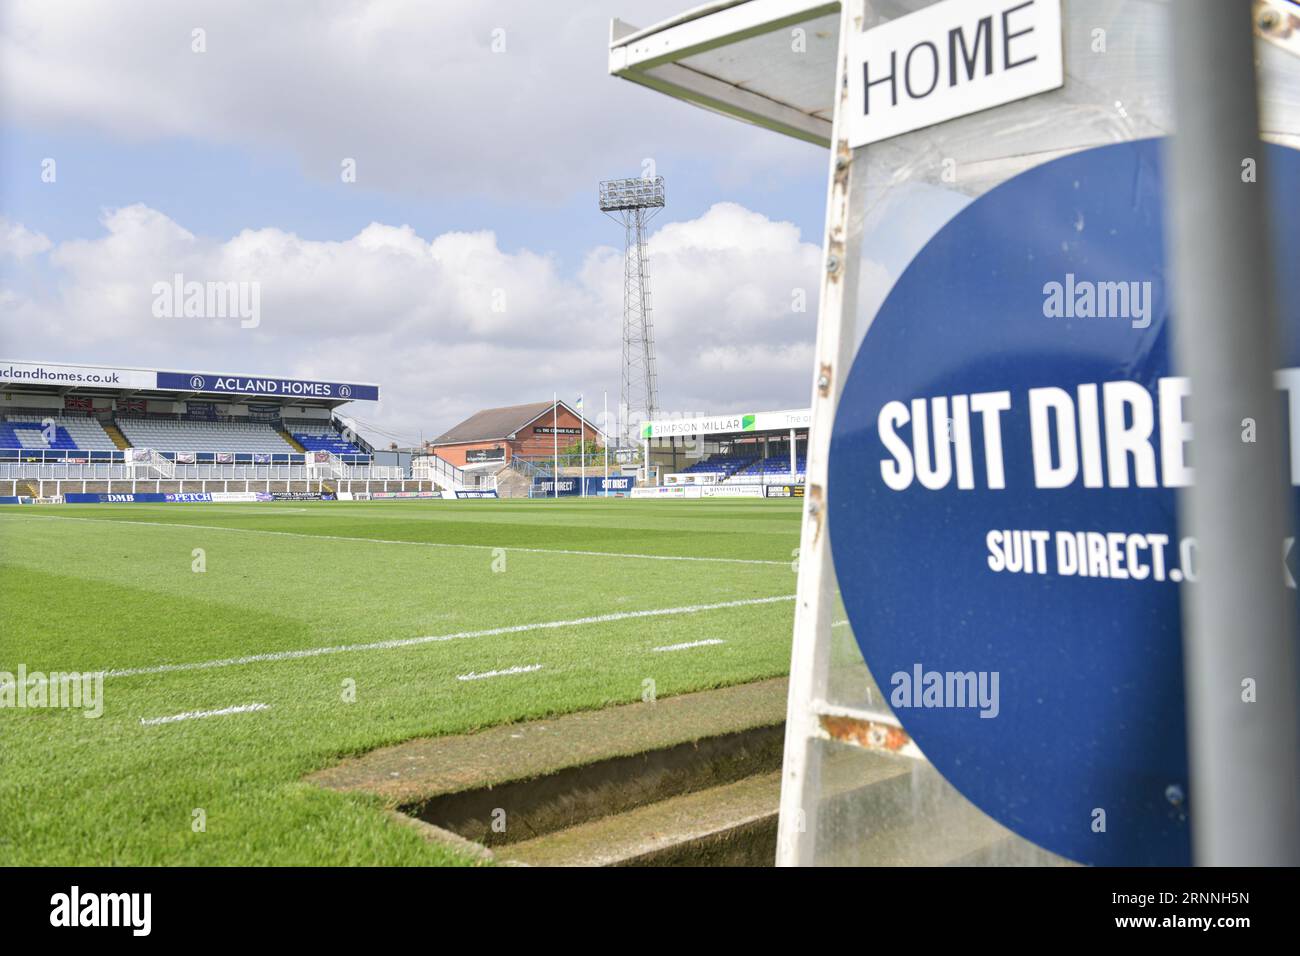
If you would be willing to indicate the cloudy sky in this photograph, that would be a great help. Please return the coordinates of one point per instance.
(466, 266)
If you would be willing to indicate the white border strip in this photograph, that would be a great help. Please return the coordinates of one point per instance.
(517, 669)
(682, 647)
(417, 641)
(197, 714)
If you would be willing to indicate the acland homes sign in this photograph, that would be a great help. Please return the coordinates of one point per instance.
(728, 424)
(109, 377)
(265, 385)
(86, 376)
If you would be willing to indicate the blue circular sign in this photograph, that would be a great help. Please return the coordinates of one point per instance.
(1003, 472)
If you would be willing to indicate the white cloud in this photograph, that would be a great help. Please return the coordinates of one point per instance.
(20, 242)
(447, 325)
(412, 91)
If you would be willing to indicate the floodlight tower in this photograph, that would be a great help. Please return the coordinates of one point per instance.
(634, 202)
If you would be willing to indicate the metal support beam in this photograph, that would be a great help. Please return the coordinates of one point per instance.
(1238, 623)
(815, 593)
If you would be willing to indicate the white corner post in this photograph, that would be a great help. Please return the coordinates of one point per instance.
(815, 593)
(1238, 625)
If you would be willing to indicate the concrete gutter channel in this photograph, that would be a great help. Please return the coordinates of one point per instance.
(692, 780)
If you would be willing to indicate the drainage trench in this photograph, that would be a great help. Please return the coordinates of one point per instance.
(526, 809)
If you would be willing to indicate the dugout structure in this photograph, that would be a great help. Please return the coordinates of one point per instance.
(783, 65)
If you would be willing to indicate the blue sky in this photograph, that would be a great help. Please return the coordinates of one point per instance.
(224, 163)
(216, 190)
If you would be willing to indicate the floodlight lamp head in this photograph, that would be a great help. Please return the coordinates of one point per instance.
(639, 193)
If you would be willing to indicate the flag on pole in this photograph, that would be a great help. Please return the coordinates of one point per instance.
(582, 448)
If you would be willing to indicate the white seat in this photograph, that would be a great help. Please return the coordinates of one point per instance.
(167, 435)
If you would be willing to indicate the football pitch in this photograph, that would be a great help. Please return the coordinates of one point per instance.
(245, 646)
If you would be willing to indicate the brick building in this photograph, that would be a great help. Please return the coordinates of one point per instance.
(515, 431)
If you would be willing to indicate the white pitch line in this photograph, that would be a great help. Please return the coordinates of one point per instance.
(682, 647)
(196, 714)
(418, 544)
(416, 641)
(518, 669)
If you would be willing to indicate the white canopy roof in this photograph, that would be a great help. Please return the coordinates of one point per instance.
(744, 422)
(768, 62)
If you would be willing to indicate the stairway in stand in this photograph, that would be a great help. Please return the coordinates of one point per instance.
(296, 445)
(115, 433)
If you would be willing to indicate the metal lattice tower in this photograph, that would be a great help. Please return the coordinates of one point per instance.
(634, 202)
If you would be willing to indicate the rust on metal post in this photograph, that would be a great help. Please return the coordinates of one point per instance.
(815, 509)
(839, 193)
(824, 380)
(1277, 24)
(867, 734)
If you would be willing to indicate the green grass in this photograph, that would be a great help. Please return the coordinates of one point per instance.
(98, 587)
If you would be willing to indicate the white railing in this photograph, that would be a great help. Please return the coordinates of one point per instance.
(147, 463)
(326, 465)
(48, 486)
(771, 478)
(110, 472)
(442, 473)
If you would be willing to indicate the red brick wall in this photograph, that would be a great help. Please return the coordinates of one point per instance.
(529, 442)
(456, 453)
(532, 443)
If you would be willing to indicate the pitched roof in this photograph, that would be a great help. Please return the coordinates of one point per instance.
(495, 424)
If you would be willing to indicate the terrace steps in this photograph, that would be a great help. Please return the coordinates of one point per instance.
(735, 824)
(511, 484)
(297, 445)
(115, 433)
(729, 825)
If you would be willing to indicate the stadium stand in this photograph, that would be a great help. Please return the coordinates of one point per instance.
(169, 434)
(237, 444)
(776, 465)
(71, 433)
(322, 436)
(726, 465)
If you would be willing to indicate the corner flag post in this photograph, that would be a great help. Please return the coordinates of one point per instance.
(605, 426)
(555, 444)
(582, 447)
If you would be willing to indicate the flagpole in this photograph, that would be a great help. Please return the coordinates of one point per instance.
(582, 444)
(555, 444)
(605, 424)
